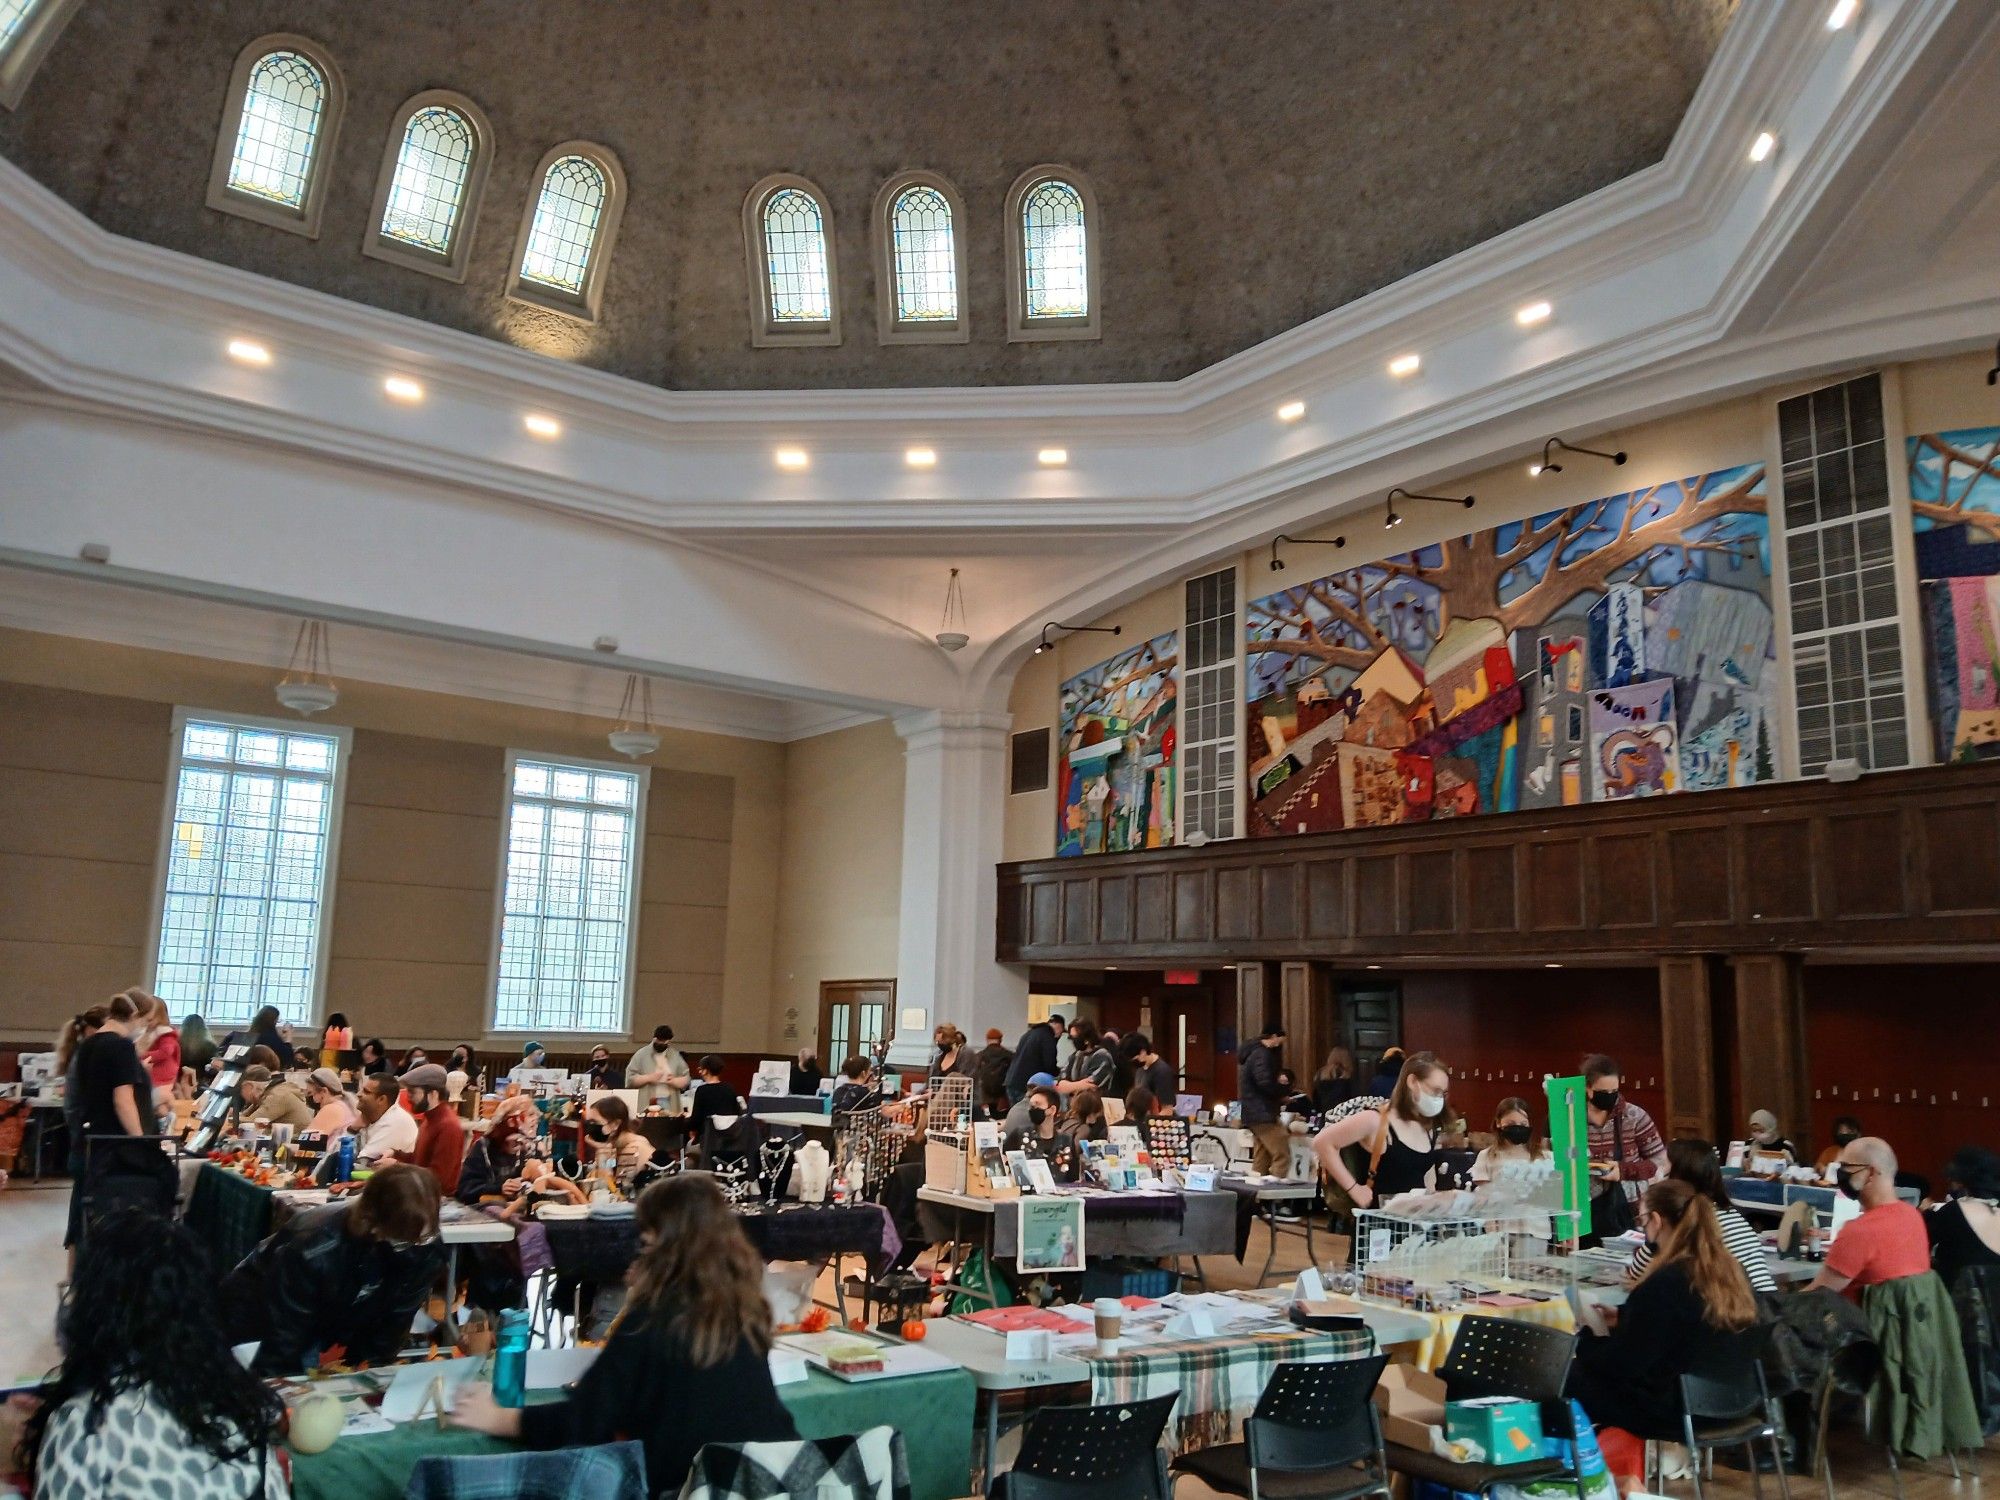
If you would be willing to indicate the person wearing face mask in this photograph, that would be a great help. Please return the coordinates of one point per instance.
(608, 1130)
(1034, 1118)
(1257, 1067)
(604, 1073)
(1845, 1128)
(1513, 1140)
(1695, 1163)
(1965, 1228)
(952, 1059)
(1626, 1148)
(534, 1056)
(1764, 1135)
(659, 1072)
(1400, 1134)
(1888, 1241)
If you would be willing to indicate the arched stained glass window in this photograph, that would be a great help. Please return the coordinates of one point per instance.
(926, 265)
(1054, 255)
(795, 259)
(278, 134)
(564, 232)
(433, 168)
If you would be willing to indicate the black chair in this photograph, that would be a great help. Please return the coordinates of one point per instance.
(1091, 1453)
(1501, 1357)
(1732, 1409)
(1314, 1436)
(1850, 1372)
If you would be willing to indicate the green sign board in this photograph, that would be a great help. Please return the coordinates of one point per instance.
(1569, 1141)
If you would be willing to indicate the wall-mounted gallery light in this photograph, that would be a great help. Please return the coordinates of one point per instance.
(1391, 519)
(1278, 564)
(1993, 375)
(1045, 644)
(1548, 465)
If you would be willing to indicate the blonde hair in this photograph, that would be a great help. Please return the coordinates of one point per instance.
(1417, 1067)
(1693, 1240)
(699, 1277)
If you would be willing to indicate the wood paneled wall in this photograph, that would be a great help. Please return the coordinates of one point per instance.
(82, 796)
(1899, 858)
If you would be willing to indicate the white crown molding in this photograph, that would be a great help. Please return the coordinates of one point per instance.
(1645, 271)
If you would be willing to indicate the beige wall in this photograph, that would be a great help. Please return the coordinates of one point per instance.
(839, 888)
(1939, 393)
(85, 733)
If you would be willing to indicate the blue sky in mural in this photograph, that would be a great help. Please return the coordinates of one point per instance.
(1952, 473)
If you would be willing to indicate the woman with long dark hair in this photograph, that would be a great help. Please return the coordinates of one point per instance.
(374, 1056)
(685, 1364)
(149, 1400)
(1695, 1163)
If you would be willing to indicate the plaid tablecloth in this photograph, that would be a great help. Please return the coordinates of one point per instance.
(1219, 1379)
(229, 1213)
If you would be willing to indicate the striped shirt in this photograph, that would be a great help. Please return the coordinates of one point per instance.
(1739, 1239)
(1645, 1154)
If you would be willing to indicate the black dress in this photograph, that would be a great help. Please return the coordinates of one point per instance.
(643, 1386)
(1954, 1243)
(1630, 1378)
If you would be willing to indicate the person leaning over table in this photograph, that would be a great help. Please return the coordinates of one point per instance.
(1691, 1311)
(856, 1089)
(148, 1400)
(350, 1273)
(608, 1128)
(440, 1147)
(387, 1129)
(1257, 1089)
(1695, 1163)
(686, 1361)
(1888, 1241)
(1845, 1128)
(273, 1101)
(1400, 1134)
(659, 1072)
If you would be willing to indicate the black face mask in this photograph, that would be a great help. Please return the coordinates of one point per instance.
(1844, 1179)
(659, 1046)
(594, 1131)
(1036, 1114)
(1516, 1135)
(1845, 1138)
(1604, 1099)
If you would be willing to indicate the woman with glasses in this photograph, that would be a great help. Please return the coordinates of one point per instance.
(351, 1273)
(1400, 1134)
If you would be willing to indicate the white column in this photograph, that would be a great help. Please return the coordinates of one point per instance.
(954, 791)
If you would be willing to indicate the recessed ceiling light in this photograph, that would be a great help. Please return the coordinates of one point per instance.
(1842, 12)
(1405, 364)
(1374, 966)
(1052, 458)
(1291, 411)
(402, 388)
(249, 352)
(920, 458)
(1763, 146)
(541, 426)
(792, 458)
(1533, 313)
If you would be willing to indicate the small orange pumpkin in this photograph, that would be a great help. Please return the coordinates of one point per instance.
(914, 1330)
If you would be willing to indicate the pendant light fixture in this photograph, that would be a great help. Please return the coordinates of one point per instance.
(951, 634)
(307, 688)
(635, 737)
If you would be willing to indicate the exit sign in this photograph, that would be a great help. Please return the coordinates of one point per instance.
(1183, 976)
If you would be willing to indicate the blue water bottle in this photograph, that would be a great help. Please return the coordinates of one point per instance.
(343, 1169)
(510, 1360)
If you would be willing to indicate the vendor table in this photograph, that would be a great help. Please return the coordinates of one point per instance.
(1219, 1379)
(1260, 1199)
(1150, 1226)
(1440, 1328)
(788, 1105)
(229, 1213)
(932, 1411)
(1770, 1197)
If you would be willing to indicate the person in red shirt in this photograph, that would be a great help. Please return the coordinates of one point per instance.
(440, 1136)
(1888, 1240)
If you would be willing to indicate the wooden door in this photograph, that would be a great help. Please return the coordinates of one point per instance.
(1184, 1033)
(857, 1017)
(1371, 1020)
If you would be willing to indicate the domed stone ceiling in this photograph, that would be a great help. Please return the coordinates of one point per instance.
(1255, 164)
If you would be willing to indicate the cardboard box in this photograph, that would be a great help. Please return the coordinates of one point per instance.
(1411, 1402)
(1507, 1430)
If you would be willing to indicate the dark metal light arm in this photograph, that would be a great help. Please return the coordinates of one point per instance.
(1277, 563)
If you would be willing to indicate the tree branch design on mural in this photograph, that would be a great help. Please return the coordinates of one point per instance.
(1613, 648)
(1115, 786)
(1955, 505)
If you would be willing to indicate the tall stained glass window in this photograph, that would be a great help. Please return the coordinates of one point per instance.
(1053, 252)
(564, 233)
(924, 257)
(570, 891)
(795, 258)
(433, 168)
(247, 869)
(277, 137)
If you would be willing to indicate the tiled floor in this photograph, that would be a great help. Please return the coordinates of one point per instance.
(31, 1267)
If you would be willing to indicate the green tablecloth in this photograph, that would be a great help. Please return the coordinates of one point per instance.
(933, 1412)
(229, 1213)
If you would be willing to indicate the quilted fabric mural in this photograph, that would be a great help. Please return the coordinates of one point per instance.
(1955, 505)
(1115, 753)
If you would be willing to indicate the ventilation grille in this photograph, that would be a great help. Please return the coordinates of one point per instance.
(1028, 762)
(1847, 648)
(1210, 643)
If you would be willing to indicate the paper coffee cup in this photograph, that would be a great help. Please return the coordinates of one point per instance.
(1110, 1319)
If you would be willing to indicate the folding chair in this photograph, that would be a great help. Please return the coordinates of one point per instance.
(1091, 1453)
(1501, 1357)
(1315, 1434)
